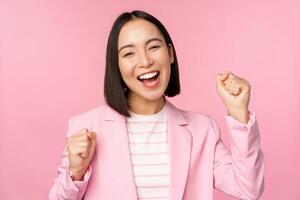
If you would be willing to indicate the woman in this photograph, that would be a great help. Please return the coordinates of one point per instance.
(140, 146)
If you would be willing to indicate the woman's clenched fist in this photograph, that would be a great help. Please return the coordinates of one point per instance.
(235, 93)
(81, 147)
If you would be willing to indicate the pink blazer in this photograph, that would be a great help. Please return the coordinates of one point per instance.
(199, 160)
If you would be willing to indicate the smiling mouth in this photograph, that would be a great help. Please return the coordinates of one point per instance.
(145, 78)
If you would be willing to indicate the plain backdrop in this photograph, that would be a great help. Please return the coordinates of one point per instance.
(52, 60)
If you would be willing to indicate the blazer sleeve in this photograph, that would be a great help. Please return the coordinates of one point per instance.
(239, 171)
(64, 187)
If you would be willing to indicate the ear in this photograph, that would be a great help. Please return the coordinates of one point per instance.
(171, 53)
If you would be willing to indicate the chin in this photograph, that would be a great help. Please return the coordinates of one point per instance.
(154, 96)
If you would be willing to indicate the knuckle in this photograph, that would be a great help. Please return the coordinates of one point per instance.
(69, 144)
(84, 130)
(247, 87)
(71, 150)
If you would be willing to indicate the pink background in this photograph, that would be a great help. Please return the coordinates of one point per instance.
(52, 63)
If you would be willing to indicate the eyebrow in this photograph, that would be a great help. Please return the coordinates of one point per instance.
(148, 41)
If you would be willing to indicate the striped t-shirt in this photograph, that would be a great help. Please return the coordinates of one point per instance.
(148, 144)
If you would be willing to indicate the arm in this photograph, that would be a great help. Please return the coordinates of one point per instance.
(64, 187)
(240, 171)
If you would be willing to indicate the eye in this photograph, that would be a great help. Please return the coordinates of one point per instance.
(128, 54)
(154, 47)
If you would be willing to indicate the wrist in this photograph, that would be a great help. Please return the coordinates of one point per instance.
(77, 175)
(242, 115)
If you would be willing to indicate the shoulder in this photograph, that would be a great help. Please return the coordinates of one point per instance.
(190, 117)
(90, 114)
(196, 117)
(201, 122)
(89, 119)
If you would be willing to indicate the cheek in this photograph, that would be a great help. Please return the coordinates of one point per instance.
(168, 73)
(126, 69)
(165, 61)
(163, 56)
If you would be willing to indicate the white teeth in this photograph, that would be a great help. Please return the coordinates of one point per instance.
(148, 75)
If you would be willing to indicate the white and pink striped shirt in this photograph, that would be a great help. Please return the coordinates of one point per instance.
(148, 144)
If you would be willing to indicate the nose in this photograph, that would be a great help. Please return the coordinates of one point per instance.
(145, 60)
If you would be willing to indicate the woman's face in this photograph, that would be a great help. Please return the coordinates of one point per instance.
(144, 60)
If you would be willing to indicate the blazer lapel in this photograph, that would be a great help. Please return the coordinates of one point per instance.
(117, 145)
(180, 140)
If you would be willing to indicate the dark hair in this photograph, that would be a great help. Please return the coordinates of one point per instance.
(115, 89)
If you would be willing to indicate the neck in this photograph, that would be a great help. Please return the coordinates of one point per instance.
(145, 107)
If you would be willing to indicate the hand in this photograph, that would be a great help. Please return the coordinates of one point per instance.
(81, 147)
(235, 93)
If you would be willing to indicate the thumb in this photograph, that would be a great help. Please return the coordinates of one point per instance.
(224, 76)
(221, 78)
(92, 136)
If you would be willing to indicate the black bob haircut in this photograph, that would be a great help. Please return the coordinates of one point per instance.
(115, 89)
